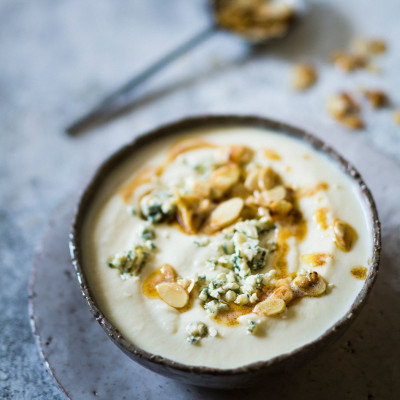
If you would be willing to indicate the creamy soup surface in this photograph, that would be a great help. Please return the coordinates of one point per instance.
(223, 247)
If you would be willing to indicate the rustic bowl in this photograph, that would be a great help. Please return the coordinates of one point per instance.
(206, 376)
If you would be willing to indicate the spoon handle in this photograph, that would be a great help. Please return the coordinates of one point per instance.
(117, 101)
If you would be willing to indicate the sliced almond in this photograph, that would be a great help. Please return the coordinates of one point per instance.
(204, 206)
(239, 190)
(189, 199)
(342, 104)
(303, 76)
(168, 271)
(173, 294)
(283, 292)
(219, 183)
(263, 212)
(344, 235)
(224, 178)
(270, 307)
(202, 188)
(281, 207)
(268, 179)
(311, 284)
(315, 259)
(282, 282)
(253, 201)
(240, 154)
(278, 193)
(185, 218)
(251, 212)
(187, 284)
(226, 212)
(251, 182)
(352, 121)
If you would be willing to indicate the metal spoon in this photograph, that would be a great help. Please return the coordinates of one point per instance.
(225, 18)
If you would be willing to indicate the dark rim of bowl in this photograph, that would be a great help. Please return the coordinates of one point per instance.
(219, 121)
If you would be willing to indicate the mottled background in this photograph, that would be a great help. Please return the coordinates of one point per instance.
(58, 57)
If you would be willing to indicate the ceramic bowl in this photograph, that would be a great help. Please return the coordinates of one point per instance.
(206, 376)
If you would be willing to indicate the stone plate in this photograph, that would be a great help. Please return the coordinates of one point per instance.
(87, 365)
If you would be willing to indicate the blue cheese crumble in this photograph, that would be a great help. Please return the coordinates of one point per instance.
(196, 330)
(158, 206)
(130, 263)
(241, 255)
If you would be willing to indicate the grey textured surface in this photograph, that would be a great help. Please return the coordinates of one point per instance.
(58, 58)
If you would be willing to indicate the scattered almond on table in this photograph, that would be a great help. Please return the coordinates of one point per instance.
(345, 110)
(376, 98)
(360, 56)
(303, 76)
(396, 117)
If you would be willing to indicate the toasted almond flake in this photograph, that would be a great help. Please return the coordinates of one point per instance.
(315, 259)
(270, 307)
(268, 179)
(359, 272)
(352, 121)
(223, 179)
(278, 193)
(187, 199)
(185, 218)
(251, 182)
(204, 206)
(344, 235)
(283, 292)
(281, 207)
(321, 217)
(272, 155)
(285, 282)
(173, 294)
(303, 76)
(202, 188)
(168, 272)
(263, 212)
(311, 284)
(226, 212)
(187, 284)
(165, 273)
(240, 190)
(239, 154)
